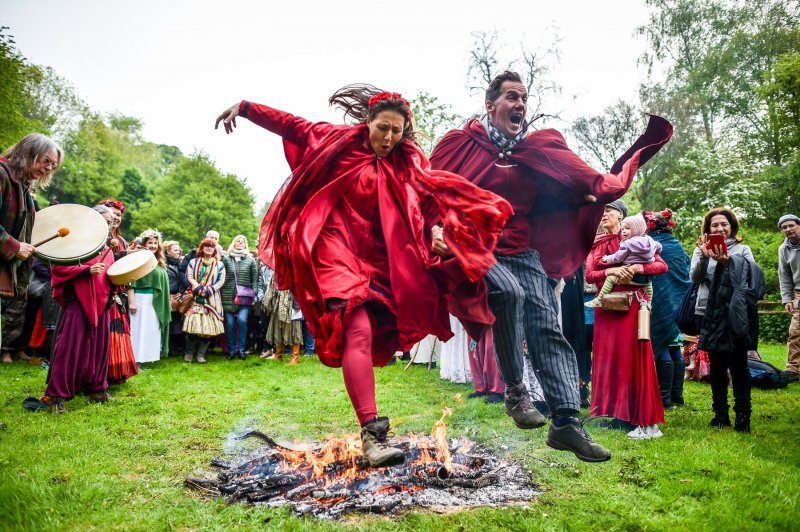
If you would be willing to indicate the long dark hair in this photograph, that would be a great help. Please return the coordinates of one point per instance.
(354, 101)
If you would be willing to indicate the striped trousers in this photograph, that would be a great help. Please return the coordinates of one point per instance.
(524, 303)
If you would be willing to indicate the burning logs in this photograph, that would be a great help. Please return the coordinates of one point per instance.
(330, 479)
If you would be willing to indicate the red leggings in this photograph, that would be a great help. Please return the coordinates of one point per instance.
(359, 378)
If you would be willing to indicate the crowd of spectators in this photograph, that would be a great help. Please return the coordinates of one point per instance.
(209, 297)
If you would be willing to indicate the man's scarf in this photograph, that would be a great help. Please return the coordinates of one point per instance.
(501, 141)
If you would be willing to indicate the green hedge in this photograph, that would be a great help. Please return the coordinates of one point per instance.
(773, 328)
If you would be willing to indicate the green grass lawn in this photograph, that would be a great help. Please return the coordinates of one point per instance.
(121, 465)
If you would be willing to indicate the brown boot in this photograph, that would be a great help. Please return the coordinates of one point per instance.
(277, 354)
(520, 408)
(373, 444)
(295, 354)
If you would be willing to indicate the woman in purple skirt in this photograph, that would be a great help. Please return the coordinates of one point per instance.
(80, 354)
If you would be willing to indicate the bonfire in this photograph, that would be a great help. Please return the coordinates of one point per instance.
(331, 478)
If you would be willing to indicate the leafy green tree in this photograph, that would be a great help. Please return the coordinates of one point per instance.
(54, 102)
(135, 192)
(92, 166)
(432, 119)
(195, 197)
(15, 101)
(706, 178)
(682, 34)
(767, 31)
(783, 91)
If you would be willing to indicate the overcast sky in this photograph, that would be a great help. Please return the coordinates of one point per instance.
(177, 64)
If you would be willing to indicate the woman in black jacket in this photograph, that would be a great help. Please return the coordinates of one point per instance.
(726, 312)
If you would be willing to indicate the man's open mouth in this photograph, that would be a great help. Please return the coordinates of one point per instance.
(515, 119)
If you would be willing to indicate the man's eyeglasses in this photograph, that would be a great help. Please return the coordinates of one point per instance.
(48, 163)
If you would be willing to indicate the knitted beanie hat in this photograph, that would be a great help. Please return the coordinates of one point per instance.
(786, 218)
(637, 224)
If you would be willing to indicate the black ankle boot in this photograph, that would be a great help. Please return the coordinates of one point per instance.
(678, 369)
(584, 391)
(721, 419)
(665, 373)
(742, 423)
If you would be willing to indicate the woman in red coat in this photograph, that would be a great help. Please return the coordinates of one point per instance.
(624, 381)
(350, 235)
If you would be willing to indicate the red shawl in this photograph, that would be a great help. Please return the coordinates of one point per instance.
(563, 223)
(92, 291)
(411, 198)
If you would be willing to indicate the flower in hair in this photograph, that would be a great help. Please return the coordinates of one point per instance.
(666, 213)
(651, 225)
(148, 233)
(381, 96)
(116, 204)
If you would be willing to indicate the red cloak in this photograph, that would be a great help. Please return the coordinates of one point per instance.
(562, 221)
(351, 226)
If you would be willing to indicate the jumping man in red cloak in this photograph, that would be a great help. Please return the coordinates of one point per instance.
(558, 201)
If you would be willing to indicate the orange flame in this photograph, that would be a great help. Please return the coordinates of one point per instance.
(338, 460)
(439, 435)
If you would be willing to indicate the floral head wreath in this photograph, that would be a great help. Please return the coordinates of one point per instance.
(116, 204)
(659, 220)
(147, 233)
(381, 96)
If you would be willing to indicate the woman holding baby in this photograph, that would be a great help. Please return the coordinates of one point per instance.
(625, 385)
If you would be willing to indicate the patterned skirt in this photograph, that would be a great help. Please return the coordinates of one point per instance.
(201, 322)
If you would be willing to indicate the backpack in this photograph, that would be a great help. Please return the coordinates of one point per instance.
(684, 313)
(766, 376)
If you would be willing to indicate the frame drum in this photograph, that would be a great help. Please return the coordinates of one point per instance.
(88, 232)
(132, 267)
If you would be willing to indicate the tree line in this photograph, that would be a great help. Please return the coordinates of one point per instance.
(726, 73)
(181, 195)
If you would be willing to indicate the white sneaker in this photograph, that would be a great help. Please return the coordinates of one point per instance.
(638, 434)
(653, 431)
(594, 303)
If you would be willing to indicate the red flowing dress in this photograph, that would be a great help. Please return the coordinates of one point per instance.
(350, 229)
(624, 380)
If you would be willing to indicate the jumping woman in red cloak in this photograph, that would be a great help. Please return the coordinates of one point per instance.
(350, 234)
